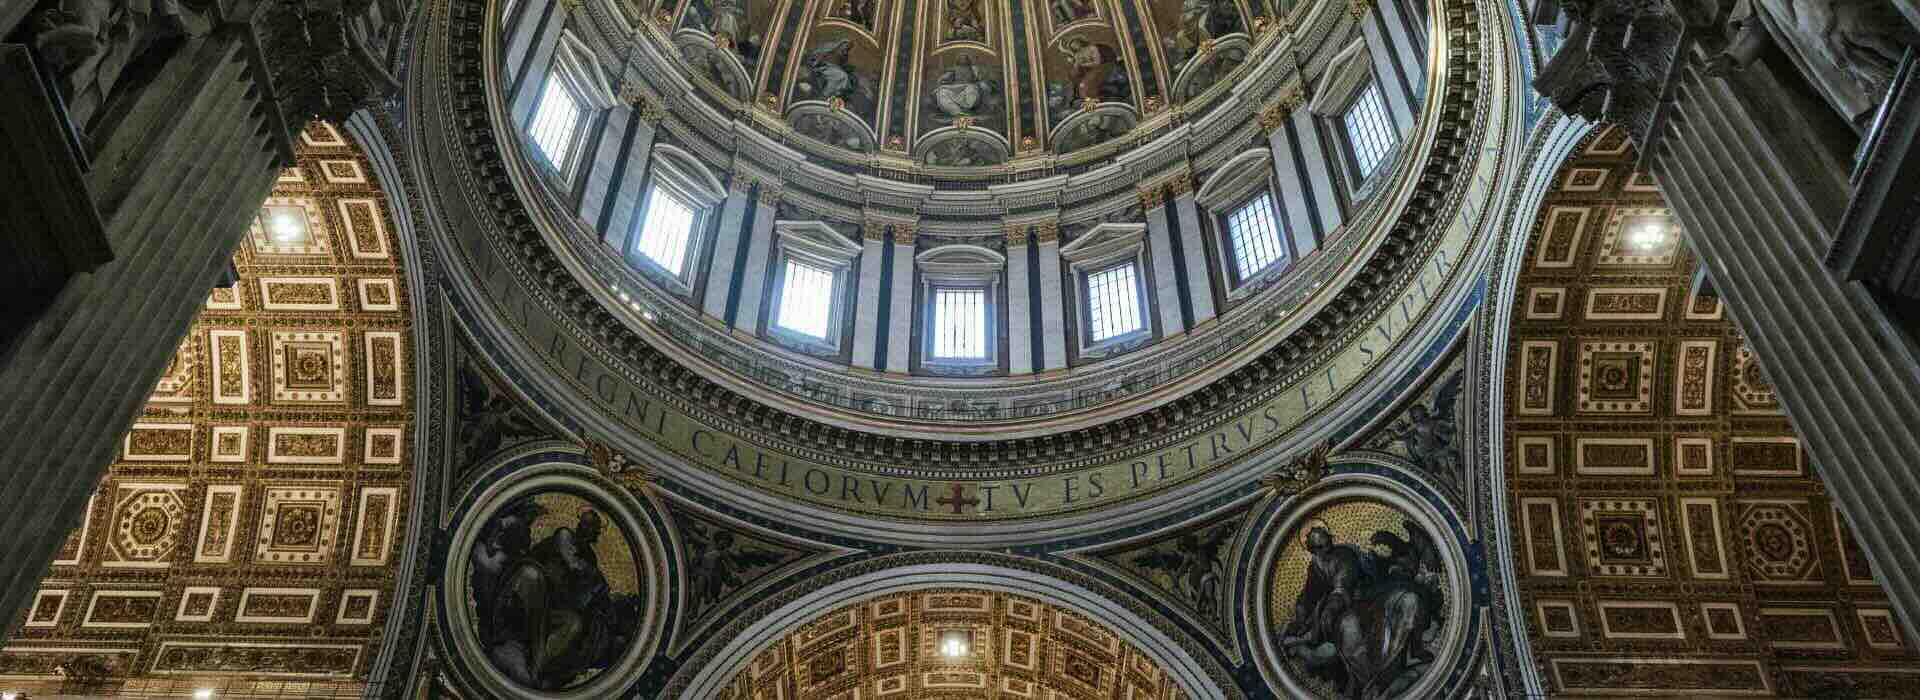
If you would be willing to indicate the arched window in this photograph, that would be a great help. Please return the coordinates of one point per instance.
(1109, 265)
(812, 272)
(572, 93)
(960, 316)
(681, 198)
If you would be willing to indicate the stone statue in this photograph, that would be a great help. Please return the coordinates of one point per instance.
(1847, 49)
(1363, 621)
(546, 615)
(90, 44)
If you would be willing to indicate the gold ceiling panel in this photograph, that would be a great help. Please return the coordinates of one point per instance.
(1673, 536)
(245, 537)
(951, 643)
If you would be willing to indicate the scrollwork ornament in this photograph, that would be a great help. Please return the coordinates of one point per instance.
(617, 466)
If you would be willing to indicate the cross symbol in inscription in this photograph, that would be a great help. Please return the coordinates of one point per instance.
(956, 501)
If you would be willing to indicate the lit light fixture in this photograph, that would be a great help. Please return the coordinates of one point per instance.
(10, 695)
(287, 228)
(1648, 236)
(955, 643)
(203, 694)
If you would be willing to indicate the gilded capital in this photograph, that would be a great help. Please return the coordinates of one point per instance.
(769, 192)
(1181, 184)
(904, 232)
(1047, 231)
(1359, 8)
(740, 184)
(1017, 234)
(1151, 198)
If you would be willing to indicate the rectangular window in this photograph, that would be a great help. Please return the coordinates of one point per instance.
(806, 299)
(1254, 236)
(667, 229)
(555, 119)
(1368, 130)
(1113, 302)
(960, 324)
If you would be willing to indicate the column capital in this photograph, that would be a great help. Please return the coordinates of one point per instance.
(770, 192)
(1016, 234)
(1180, 185)
(1151, 197)
(904, 232)
(1358, 8)
(1047, 232)
(740, 184)
(1276, 113)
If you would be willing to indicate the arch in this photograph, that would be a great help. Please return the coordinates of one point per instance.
(721, 663)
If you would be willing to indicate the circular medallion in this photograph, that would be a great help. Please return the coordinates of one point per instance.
(552, 586)
(1365, 597)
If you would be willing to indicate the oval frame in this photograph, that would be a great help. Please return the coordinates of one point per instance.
(550, 474)
(1258, 615)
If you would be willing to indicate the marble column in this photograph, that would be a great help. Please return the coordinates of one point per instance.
(1019, 303)
(1290, 171)
(600, 168)
(619, 217)
(866, 300)
(900, 299)
(1757, 171)
(1395, 84)
(1053, 323)
(1316, 166)
(1166, 282)
(1199, 274)
(177, 174)
(726, 248)
(753, 272)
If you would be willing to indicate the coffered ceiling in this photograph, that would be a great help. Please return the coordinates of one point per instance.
(951, 643)
(1673, 536)
(244, 539)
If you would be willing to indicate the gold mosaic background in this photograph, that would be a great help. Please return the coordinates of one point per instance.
(1673, 538)
(612, 549)
(888, 647)
(245, 538)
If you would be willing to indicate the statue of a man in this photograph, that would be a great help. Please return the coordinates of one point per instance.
(1847, 49)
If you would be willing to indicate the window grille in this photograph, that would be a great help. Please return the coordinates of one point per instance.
(554, 121)
(1368, 130)
(1113, 302)
(1254, 236)
(806, 299)
(960, 324)
(668, 228)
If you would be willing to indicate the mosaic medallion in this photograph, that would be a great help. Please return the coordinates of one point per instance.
(554, 590)
(1360, 601)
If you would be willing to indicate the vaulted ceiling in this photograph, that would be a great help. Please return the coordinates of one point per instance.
(1672, 535)
(244, 540)
(894, 646)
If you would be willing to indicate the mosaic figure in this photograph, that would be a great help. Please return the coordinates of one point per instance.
(829, 73)
(964, 22)
(1365, 619)
(548, 616)
(1070, 11)
(1095, 71)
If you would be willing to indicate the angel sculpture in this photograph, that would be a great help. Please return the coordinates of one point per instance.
(717, 563)
(1428, 433)
(1195, 566)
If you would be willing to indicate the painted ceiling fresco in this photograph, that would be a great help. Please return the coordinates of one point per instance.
(1671, 534)
(245, 538)
(1002, 646)
(966, 82)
